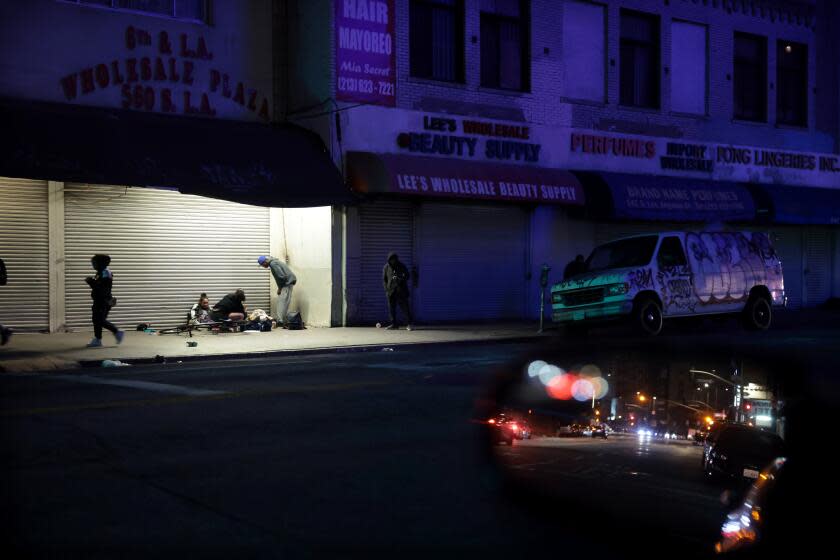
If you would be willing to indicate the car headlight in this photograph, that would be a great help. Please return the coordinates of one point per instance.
(617, 289)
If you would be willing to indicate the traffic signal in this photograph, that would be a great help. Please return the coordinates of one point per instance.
(747, 406)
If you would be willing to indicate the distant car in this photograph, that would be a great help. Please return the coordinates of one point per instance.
(524, 431)
(572, 430)
(700, 437)
(502, 430)
(599, 431)
(740, 452)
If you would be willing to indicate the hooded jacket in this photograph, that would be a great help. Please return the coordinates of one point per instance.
(395, 277)
(101, 283)
(283, 275)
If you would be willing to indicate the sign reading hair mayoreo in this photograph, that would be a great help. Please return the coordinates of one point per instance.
(365, 56)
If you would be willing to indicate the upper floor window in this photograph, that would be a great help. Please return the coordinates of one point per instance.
(179, 9)
(750, 83)
(504, 44)
(584, 51)
(436, 39)
(792, 80)
(639, 57)
(689, 67)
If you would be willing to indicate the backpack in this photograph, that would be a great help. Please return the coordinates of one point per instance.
(294, 321)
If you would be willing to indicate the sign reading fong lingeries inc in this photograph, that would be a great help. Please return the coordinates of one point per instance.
(164, 73)
(365, 51)
(418, 133)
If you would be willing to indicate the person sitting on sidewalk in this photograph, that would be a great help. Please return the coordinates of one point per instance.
(200, 312)
(231, 307)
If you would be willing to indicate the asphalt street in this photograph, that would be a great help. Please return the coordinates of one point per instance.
(344, 454)
(615, 480)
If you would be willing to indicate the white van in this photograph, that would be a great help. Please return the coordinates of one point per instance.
(648, 278)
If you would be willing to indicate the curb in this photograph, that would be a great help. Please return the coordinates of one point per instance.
(306, 351)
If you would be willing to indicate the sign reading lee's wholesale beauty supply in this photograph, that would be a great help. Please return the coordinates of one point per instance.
(365, 51)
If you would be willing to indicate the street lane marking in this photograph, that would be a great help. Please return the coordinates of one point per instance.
(193, 398)
(134, 384)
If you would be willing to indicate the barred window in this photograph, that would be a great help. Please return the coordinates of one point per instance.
(436, 39)
(505, 63)
(792, 80)
(639, 57)
(750, 81)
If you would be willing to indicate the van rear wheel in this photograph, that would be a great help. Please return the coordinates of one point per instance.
(647, 315)
(757, 314)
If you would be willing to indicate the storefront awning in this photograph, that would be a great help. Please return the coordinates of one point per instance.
(460, 179)
(660, 198)
(251, 163)
(783, 204)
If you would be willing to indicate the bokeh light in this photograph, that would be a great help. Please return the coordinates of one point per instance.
(560, 387)
(582, 389)
(535, 367)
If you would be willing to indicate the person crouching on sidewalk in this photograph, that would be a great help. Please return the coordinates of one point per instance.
(100, 292)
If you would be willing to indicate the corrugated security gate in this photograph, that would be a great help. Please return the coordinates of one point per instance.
(818, 265)
(385, 226)
(166, 248)
(24, 247)
(788, 244)
(472, 262)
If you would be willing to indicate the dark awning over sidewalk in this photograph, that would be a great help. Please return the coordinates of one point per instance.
(453, 178)
(783, 204)
(251, 163)
(661, 198)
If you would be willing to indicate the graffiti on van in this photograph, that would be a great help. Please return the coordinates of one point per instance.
(640, 279)
(675, 288)
(727, 264)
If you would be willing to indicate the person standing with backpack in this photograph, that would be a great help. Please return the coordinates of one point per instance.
(100, 292)
(5, 332)
(286, 281)
(395, 281)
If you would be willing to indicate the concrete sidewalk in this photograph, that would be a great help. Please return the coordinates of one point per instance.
(36, 352)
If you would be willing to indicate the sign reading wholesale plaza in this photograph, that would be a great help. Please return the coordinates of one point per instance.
(520, 144)
(365, 56)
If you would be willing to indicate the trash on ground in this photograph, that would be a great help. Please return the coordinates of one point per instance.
(114, 363)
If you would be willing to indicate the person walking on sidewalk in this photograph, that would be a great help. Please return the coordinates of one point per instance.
(5, 332)
(100, 292)
(286, 281)
(395, 281)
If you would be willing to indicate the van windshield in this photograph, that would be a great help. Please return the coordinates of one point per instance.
(636, 251)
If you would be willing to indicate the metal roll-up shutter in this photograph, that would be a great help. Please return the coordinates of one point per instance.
(24, 247)
(385, 226)
(166, 248)
(472, 262)
(817, 263)
(788, 244)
